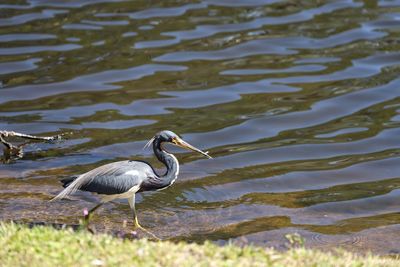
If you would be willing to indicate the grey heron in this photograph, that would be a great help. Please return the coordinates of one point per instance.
(123, 179)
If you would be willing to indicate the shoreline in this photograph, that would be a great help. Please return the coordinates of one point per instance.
(46, 246)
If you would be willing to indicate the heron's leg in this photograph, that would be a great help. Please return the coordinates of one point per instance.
(135, 219)
(90, 212)
(132, 205)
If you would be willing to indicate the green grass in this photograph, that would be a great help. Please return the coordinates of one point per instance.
(45, 246)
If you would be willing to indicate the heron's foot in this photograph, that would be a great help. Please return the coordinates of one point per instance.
(86, 217)
(85, 225)
(86, 220)
(138, 226)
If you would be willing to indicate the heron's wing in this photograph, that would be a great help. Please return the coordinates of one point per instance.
(113, 178)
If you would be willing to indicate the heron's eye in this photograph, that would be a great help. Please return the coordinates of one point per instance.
(173, 140)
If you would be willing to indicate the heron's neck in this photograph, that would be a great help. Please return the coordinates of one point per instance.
(170, 162)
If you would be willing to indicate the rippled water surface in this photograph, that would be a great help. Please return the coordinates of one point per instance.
(298, 101)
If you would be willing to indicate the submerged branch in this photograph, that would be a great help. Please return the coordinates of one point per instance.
(28, 136)
(16, 151)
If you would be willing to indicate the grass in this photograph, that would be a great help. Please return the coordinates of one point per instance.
(45, 246)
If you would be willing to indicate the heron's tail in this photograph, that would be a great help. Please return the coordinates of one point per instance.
(70, 184)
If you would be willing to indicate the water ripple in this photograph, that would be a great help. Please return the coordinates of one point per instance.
(298, 103)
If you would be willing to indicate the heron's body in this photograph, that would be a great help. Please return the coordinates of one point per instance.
(114, 178)
(123, 179)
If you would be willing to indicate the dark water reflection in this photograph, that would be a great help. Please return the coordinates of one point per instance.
(298, 101)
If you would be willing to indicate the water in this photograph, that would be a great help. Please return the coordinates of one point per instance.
(298, 101)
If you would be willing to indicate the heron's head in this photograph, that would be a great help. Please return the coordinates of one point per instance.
(173, 138)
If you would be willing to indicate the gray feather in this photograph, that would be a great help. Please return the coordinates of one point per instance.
(113, 178)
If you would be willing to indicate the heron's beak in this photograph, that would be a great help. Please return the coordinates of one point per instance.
(183, 144)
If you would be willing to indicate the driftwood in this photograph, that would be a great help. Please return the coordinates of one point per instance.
(16, 151)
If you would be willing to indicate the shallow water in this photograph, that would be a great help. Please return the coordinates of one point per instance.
(298, 102)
